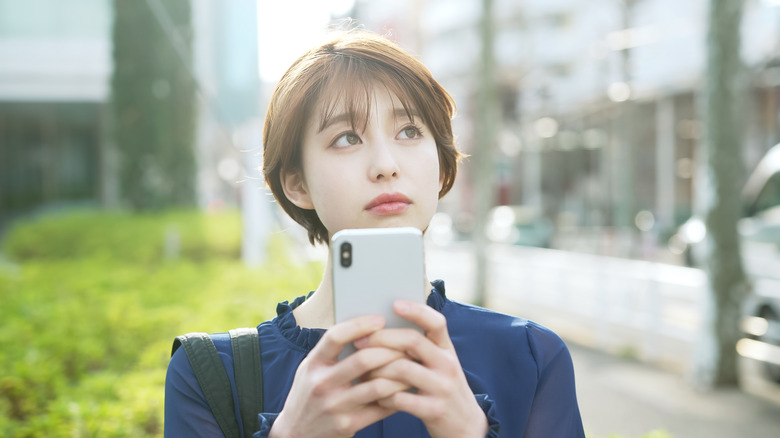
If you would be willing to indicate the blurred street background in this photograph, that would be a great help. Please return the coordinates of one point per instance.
(622, 188)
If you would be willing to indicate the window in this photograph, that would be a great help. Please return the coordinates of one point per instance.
(770, 194)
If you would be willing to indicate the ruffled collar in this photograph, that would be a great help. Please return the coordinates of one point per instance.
(307, 338)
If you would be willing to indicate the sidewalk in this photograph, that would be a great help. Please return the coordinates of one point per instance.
(630, 399)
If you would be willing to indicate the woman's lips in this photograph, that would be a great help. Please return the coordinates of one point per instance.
(388, 204)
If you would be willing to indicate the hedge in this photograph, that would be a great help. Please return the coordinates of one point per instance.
(91, 308)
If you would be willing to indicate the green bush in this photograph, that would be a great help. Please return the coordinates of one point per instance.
(88, 323)
(125, 237)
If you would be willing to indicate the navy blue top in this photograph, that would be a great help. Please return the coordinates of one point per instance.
(520, 372)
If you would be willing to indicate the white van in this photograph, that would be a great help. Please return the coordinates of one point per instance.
(759, 232)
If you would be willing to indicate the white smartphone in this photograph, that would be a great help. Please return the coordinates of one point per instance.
(374, 267)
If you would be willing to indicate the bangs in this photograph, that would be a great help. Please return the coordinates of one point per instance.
(350, 89)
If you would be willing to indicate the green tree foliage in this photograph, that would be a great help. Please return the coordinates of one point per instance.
(153, 103)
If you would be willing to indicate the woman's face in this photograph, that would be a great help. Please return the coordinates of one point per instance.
(384, 176)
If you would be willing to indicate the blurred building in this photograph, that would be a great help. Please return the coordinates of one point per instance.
(599, 99)
(56, 63)
(55, 73)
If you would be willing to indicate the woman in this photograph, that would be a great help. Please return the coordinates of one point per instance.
(358, 134)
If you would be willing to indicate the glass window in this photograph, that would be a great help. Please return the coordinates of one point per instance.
(48, 153)
(770, 194)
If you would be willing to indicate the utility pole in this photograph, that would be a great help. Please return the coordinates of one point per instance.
(623, 158)
(716, 358)
(483, 146)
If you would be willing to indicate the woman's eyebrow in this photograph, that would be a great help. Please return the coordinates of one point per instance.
(400, 112)
(346, 117)
(330, 121)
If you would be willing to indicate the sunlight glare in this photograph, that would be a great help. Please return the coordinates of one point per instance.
(287, 28)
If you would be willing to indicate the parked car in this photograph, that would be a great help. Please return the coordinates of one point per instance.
(759, 232)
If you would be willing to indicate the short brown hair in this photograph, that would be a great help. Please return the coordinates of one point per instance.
(353, 62)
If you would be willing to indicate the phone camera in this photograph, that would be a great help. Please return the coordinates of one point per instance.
(346, 254)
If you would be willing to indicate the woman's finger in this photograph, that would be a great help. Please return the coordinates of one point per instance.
(374, 389)
(367, 415)
(431, 321)
(362, 362)
(416, 346)
(409, 341)
(413, 375)
(422, 406)
(336, 337)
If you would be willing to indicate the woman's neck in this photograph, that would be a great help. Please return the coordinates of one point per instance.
(317, 310)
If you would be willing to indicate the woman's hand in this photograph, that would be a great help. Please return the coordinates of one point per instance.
(323, 401)
(443, 400)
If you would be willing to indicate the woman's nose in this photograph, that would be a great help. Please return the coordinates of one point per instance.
(383, 164)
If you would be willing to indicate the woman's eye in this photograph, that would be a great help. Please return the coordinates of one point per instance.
(348, 139)
(410, 132)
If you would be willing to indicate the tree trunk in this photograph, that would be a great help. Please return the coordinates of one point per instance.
(716, 360)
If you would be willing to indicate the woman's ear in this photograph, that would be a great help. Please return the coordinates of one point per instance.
(295, 190)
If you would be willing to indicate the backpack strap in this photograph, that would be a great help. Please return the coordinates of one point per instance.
(212, 378)
(248, 369)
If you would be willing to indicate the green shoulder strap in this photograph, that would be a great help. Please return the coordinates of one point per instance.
(248, 368)
(212, 378)
(214, 382)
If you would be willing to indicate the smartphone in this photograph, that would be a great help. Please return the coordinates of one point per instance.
(374, 267)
